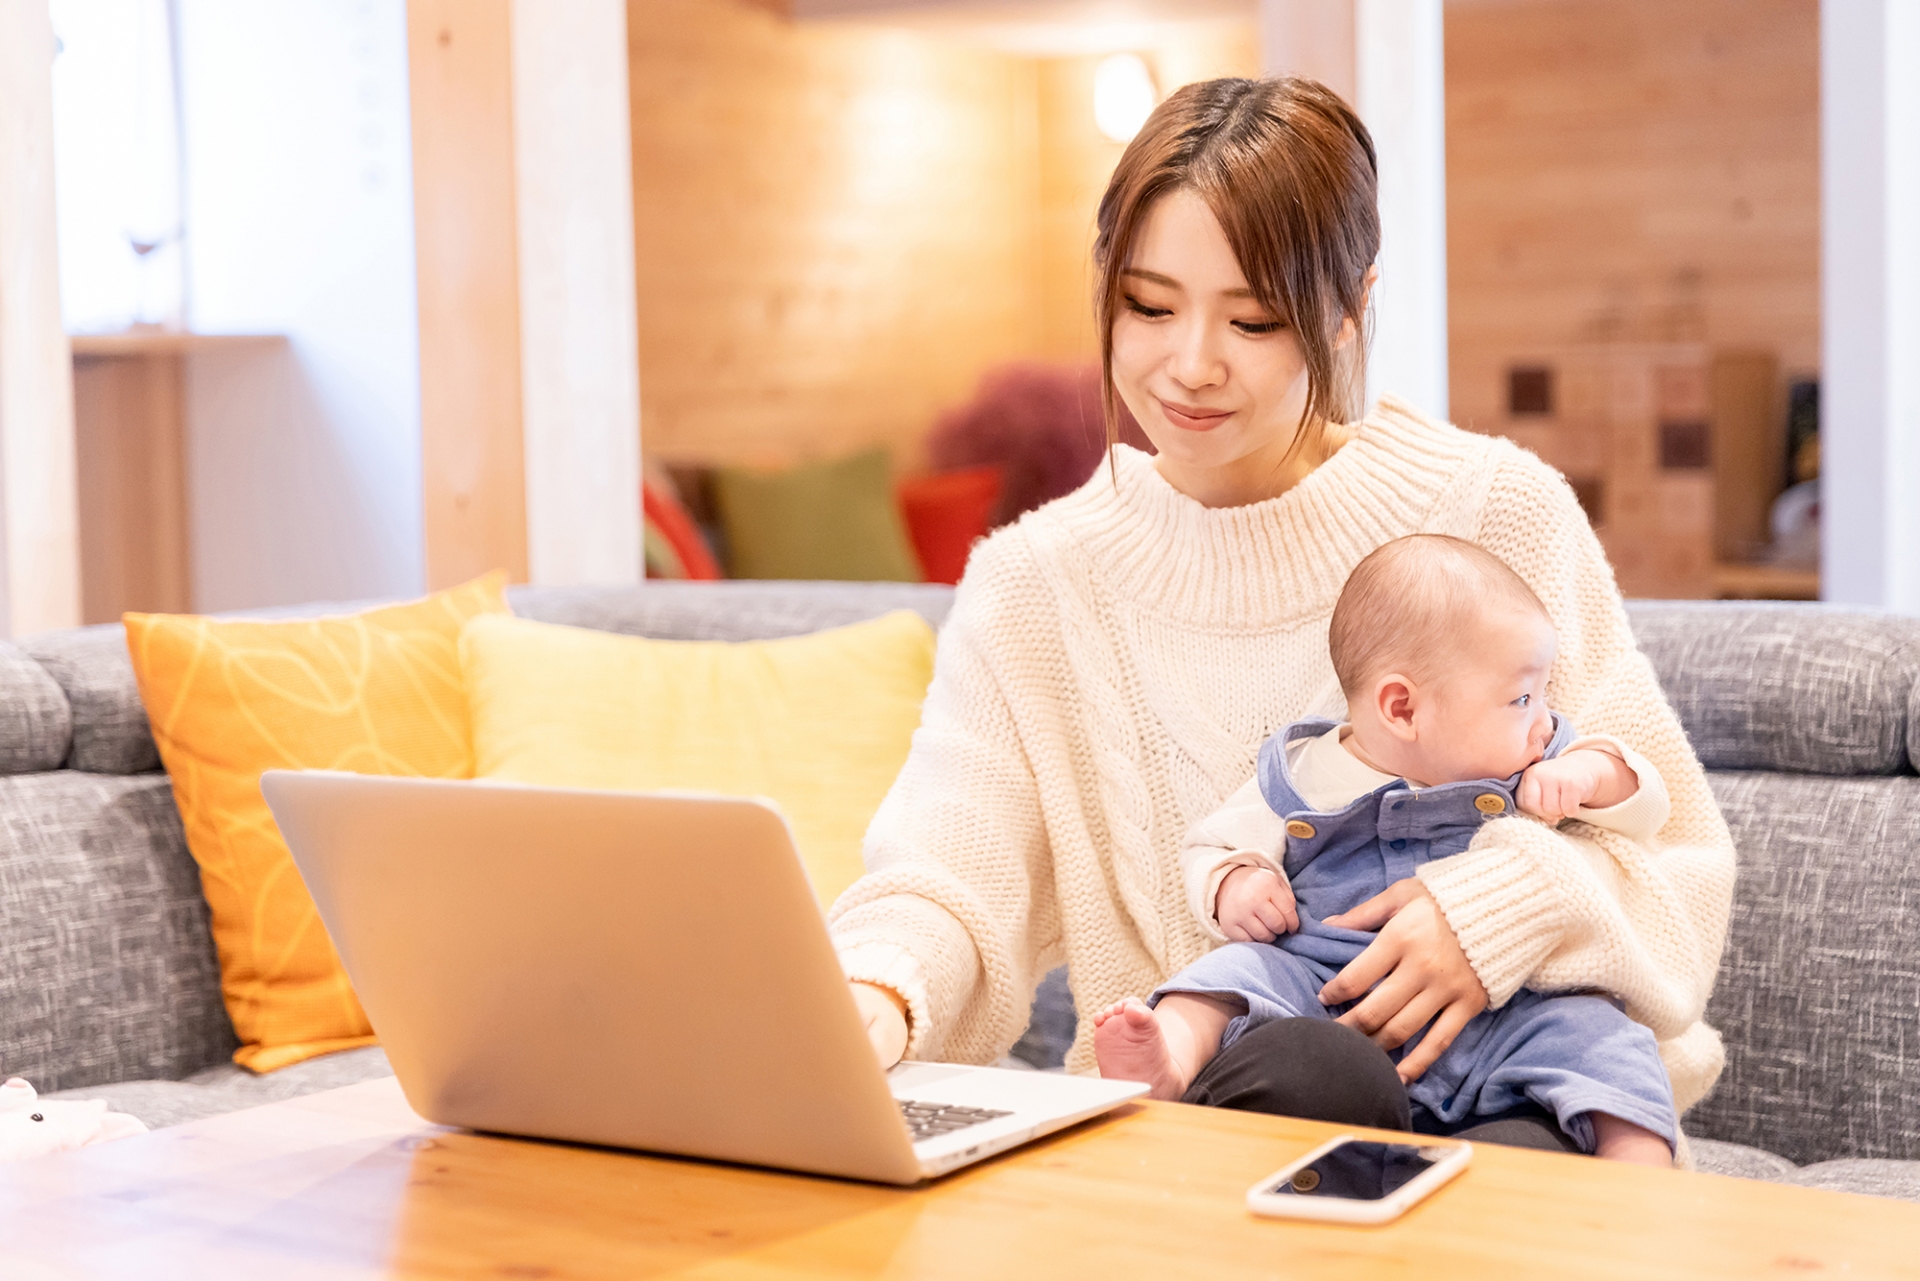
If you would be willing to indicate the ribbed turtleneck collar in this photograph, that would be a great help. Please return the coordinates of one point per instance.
(1272, 562)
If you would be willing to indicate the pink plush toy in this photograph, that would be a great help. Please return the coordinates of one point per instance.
(30, 1127)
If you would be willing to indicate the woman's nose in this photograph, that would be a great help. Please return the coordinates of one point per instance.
(1196, 359)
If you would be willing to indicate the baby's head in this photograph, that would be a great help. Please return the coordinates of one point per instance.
(1443, 653)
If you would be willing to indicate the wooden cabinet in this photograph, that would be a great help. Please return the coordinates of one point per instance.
(130, 441)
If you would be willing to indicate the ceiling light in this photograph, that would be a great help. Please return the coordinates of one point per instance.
(1123, 95)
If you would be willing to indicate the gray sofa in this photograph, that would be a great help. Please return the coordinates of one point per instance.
(1808, 719)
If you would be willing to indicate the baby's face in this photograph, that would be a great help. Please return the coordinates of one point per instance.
(1487, 718)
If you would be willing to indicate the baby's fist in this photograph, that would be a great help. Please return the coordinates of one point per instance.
(1556, 789)
(1255, 906)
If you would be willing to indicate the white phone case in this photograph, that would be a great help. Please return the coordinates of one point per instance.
(1345, 1210)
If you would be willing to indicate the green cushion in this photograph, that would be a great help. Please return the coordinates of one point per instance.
(834, 520)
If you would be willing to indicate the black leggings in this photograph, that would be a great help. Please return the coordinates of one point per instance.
(1324, 1071)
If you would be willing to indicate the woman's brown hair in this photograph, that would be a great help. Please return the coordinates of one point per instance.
(1289, 171)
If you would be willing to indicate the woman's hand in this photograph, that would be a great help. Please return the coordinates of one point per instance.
(885, 1015)
(1413, 974)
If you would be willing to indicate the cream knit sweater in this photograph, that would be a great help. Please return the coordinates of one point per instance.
(1111, 666)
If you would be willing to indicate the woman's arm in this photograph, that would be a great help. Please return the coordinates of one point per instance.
(956, 913)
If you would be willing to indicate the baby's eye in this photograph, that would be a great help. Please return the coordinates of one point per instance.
(1523, 700)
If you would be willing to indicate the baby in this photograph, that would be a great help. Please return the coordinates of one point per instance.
(1443, 653)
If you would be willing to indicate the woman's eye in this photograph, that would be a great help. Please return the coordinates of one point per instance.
(1258, 328)
(1523, 700)
(1139, 308)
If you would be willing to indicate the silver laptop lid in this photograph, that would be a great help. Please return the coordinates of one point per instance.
(646, 971)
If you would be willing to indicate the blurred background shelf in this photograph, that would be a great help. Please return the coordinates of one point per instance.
(129, 410)
(1734, 581)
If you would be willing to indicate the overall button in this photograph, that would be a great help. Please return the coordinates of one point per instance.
(1300, 830)
(1398, 845)
(1490, 803)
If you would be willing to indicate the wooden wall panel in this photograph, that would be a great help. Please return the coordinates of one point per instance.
(839, 227)
(474, 506)
(1629, 170)
(833, 229)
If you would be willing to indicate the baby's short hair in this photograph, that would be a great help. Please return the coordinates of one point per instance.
(1408, 602)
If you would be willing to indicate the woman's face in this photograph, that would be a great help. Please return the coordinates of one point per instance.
(1218, 384)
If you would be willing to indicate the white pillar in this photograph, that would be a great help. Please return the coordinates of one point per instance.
(1388, 58)
(1870, 303)
(39, 503)
(579, 348)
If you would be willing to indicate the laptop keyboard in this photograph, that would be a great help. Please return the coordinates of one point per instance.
(931, 1120)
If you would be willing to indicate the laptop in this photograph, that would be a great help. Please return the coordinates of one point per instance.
(645, 971)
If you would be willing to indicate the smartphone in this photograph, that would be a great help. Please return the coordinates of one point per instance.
(1358, 1180)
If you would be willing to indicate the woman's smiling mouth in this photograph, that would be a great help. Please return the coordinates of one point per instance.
(1193, 417)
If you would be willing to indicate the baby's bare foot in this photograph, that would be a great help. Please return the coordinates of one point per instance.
(1129, 1046)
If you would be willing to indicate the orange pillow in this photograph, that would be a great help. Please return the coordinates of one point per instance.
(375, 693)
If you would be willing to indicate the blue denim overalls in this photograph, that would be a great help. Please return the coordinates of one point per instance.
(1571, 1054)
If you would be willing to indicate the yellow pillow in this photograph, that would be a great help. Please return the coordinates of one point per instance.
(819, 723)
(375, 693)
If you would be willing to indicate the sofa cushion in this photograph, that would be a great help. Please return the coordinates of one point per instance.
(377, 692)
(227, 1088)
(819, 724)
(36, 725)
(1819, 992)
(1897, 1179)
(107, 970)
(1805, 688)
(110, 734)
(728, 611)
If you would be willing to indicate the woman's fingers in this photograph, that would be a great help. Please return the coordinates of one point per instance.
(1381, 908)
(1377, 960)
(1438, 1038)
(1379, 1007)
(1412, 1016)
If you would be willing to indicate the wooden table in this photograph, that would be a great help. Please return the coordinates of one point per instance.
(351, 1183)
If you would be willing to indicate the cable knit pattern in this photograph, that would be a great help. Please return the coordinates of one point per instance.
(1111, 666)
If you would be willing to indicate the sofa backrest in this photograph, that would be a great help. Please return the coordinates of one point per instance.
(1805, 717)
(107, 969)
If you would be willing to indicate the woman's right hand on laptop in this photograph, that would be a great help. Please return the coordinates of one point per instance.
(885, 1015)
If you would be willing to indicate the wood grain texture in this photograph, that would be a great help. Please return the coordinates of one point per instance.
(1631, 170)
(474, 505)
(833, 229)
(130, 445)
(839, 227)
(351, 1184)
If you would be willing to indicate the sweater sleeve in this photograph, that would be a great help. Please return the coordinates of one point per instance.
(956, 910)
(1584, 906)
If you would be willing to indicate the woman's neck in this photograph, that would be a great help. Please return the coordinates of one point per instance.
(1260, 475)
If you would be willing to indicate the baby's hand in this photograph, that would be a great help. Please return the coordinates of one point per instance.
(1255, 906)
(1556, 789)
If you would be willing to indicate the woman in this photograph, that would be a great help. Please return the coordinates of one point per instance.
(1114, 660)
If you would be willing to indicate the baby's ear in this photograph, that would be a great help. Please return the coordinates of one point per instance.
(1394, 696)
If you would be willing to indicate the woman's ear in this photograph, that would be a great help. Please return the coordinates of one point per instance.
(1394, 697)
(1347, 327)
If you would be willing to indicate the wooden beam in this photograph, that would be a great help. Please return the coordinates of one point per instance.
(39, 514)
(580, 351)
(459, 55)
